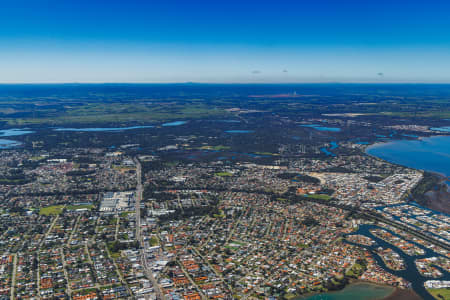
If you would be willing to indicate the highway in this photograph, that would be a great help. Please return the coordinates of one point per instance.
(147, 269)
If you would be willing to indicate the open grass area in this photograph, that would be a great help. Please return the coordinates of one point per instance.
(219, 215)
(154, 241)
(234, 248)
(223, 174)
(75, 207)
(266, 153)
(215, 148)
(355, 270)
(51, 210)
(125, 214)
(319, 196)
(36, 158)
(440, 294)
(237, 242)
(113, 249)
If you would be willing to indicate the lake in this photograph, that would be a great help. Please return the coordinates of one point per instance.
(176, 123)
(357, 291)
(14, 132)
(442, 129)
(322, 128)
(431, 154)
(228, 121)
(333, 145)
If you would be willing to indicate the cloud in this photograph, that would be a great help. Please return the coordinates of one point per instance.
(380, 74)
(256, 72)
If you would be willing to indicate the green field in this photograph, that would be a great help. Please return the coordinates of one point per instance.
(75, 207)
(266, 153)
(441, 294)
(237, 242)
(126, 213)
(90, 113)
(154, 241)
(319, 196)
(355, 270)
(215, 148)
(102, 104)
(51, 210)
(223, 174)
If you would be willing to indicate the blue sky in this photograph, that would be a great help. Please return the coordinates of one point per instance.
(224, 41)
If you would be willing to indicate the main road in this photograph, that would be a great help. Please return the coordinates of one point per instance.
(147, 269)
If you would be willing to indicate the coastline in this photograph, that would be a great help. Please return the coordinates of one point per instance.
(378, 144)
(396, 294)
(438, 197)
(443, 177)
(352, 282)
(402, 294)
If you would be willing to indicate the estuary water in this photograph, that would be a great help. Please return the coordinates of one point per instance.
(411, 273)
(175, 123)
(357, 291)
(6, 143)
(118, 129)
(430, 154)
(14, 132)
(327, 151)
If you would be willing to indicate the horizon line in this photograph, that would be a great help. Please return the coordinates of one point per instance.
(223, 83)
